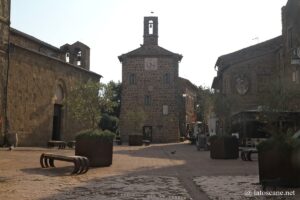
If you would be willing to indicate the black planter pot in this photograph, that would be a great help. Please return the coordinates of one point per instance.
(98, 151)
(224, 148)
(279, 166)
(135, 140)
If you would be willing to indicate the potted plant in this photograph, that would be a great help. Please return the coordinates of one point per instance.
(278, 157)
(135, 123)
(96, 145)
(224, 147)
(278, 161)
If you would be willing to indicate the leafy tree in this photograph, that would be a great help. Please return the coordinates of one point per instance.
(115, 88)
(222, 106)
(136, 120)
(86, 101)
(209, 102)
(277, 106)
(204, 103)
(109, 122)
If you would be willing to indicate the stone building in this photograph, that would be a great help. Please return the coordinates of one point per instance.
(35, 78)
(150, 82)
(187, 111)
(246, 75)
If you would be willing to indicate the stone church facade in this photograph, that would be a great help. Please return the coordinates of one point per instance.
(150, 82)
(249, 73)
(35, 78)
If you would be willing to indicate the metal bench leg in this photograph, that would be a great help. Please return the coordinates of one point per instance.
(51, 162)
(42, 161)
(81, 167)
(243, 156)
(87, 164)
(76, 166)
(84, 165)
(46, 161)
(249, 156)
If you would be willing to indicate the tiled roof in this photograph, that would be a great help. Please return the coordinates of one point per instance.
(17, 32)
(188, 83)
(150, 50)
(249, 53)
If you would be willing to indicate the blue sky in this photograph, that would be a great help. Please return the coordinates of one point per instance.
(199, 30)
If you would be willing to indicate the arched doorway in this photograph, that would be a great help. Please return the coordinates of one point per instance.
(57, 113)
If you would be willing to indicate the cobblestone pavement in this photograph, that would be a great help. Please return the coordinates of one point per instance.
(241, 187)
(127, 188)
(159, 171)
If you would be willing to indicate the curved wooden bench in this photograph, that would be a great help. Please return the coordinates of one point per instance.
(246, 154)
(81, 164)
(146, 142)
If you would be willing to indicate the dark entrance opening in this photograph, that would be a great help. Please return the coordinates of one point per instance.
(147, 133)
(56, 135)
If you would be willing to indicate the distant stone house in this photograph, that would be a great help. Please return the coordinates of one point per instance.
(150, 82)
(187, 112)
(35, 78)
(247, 74)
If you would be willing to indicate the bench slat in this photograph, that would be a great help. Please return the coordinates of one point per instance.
(81, 164)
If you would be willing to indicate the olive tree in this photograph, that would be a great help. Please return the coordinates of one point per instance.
(86, 101)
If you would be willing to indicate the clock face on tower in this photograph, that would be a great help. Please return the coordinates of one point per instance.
(150, 64)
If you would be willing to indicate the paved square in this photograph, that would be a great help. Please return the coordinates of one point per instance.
(159, 171)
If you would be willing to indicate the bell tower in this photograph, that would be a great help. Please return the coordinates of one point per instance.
(4, 62)
(150, 30)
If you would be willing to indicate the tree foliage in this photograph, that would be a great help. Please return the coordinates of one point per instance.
(209, 102)
(109, 122)
(277, 107)
(115, 88)
(204, 103)
(136, 119)
(86, 101)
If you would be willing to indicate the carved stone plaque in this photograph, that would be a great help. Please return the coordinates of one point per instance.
(242, 84)
(150, 64)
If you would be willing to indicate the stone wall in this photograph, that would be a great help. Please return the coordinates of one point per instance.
(245, 76)
(33, 80)
(291, 48)
(187, 106)
(4, 40)
(257, 73)
(165, 128)
(22, 39)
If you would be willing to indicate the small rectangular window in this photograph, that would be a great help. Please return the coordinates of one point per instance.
(295, 76)
(132, 80)
(79, 58)
(166, 78)
(165, 110)
(148, 100)
(150, 27)
(68, 57)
